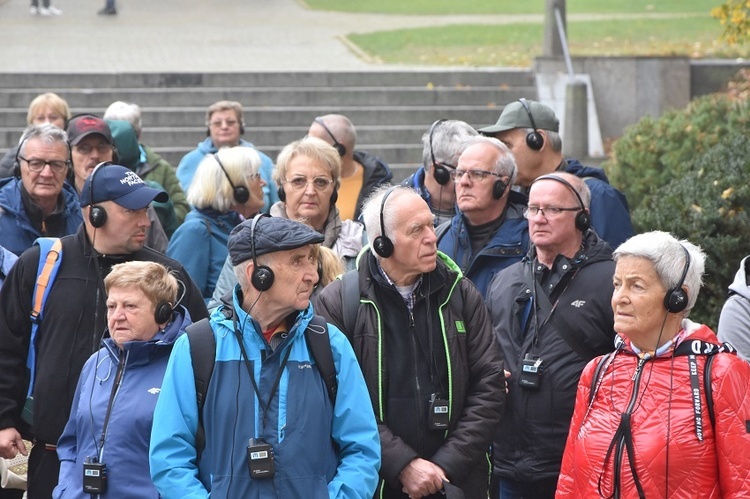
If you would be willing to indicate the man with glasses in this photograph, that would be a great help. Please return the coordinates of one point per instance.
(225, 127)
(551, 314)
(489, 232)
(36, 201)
(531, 131)
(441, 147)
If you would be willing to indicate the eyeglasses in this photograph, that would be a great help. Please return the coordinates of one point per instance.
(319, 183)
(218, 123)
(474, 175)
(37, 165)
(548, 212)
(86, 149)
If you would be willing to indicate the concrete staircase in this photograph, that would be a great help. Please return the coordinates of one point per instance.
(390, 109)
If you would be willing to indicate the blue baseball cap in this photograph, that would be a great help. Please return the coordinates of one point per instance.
(121, 185)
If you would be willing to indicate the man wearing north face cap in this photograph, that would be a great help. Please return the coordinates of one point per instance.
(114, 202)
(531, 131)
(271, 427)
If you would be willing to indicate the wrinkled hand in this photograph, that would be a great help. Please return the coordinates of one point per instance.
(507, 375)
(421, 478)
(11, 443)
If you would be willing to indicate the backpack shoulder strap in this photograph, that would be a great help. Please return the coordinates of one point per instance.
(441, 229)
(320, 348)
(350, 300)
(50, 258)
(203, 357)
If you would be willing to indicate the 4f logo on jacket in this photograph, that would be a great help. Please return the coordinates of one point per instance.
(578, 303)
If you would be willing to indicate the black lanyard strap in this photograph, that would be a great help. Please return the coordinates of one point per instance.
(249, 368)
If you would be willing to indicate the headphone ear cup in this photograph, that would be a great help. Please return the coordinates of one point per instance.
(334, 197)
(281, 193)
(17, 168)
(441, 174)
(675, 300)
(583, 221)
(241, 194)
(534, 140)
(262, 278)
(340, 148)
(163, 312)
(383, 246)
(498, 188)
(97, 216)
(242, 128)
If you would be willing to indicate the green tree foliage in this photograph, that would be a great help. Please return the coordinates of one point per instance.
(734, 15)
(708, 204)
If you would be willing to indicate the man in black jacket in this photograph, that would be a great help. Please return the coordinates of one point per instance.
(114, 201)
(551, 314)
(361, 172)
(423, 338)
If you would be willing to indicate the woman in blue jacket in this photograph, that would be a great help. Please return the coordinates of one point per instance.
(227, 187)
(110, 422)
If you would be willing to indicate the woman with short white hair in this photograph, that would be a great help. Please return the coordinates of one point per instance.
(226, 189)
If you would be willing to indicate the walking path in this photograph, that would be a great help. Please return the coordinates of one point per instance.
(202, 35)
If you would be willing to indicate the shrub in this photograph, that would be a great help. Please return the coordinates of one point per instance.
(654, 151)
(707, 204)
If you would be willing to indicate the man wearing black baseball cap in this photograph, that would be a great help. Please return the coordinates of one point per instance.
(267, 393)
(114, 201)
(531, 131)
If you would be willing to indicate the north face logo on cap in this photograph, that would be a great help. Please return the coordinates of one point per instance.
(131, 179)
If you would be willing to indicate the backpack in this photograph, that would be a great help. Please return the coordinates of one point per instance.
(203, 357)
(50, 258)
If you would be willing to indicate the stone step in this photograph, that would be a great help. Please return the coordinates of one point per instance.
(99, 99)
(298, 115)
(272, 79)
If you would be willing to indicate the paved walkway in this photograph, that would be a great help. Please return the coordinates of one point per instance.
(198, 35)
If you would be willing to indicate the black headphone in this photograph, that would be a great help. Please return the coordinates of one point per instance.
(17, 163)
(534, 139)
(382, 244)
(498, 188)
(441, 173)
(240, 193)
(262, 277)
(583, 220)
(676, 299)
(340, 148)
(164, 309)
(97, 214)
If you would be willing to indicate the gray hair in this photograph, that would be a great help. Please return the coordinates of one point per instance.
(505, 164)
(126, 111)
(47, 133)
(447, 137)
(667, 254)
(372, 206)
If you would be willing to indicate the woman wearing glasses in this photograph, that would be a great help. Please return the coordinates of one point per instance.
(227, 187)
(36, 201)
(308, 173)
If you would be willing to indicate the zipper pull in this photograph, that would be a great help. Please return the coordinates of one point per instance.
(638, 368)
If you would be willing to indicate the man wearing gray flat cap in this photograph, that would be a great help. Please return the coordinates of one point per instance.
(531, 131)
(271, 425)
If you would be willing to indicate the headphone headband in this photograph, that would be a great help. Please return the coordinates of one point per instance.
(262, 277)
(240, 193)
(340, 148)
(525, 105)
(442, 175)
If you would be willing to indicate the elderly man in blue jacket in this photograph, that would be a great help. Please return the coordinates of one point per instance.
(271, 427)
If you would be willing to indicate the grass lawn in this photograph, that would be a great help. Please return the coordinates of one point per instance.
(518, 44)
(508, 6)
